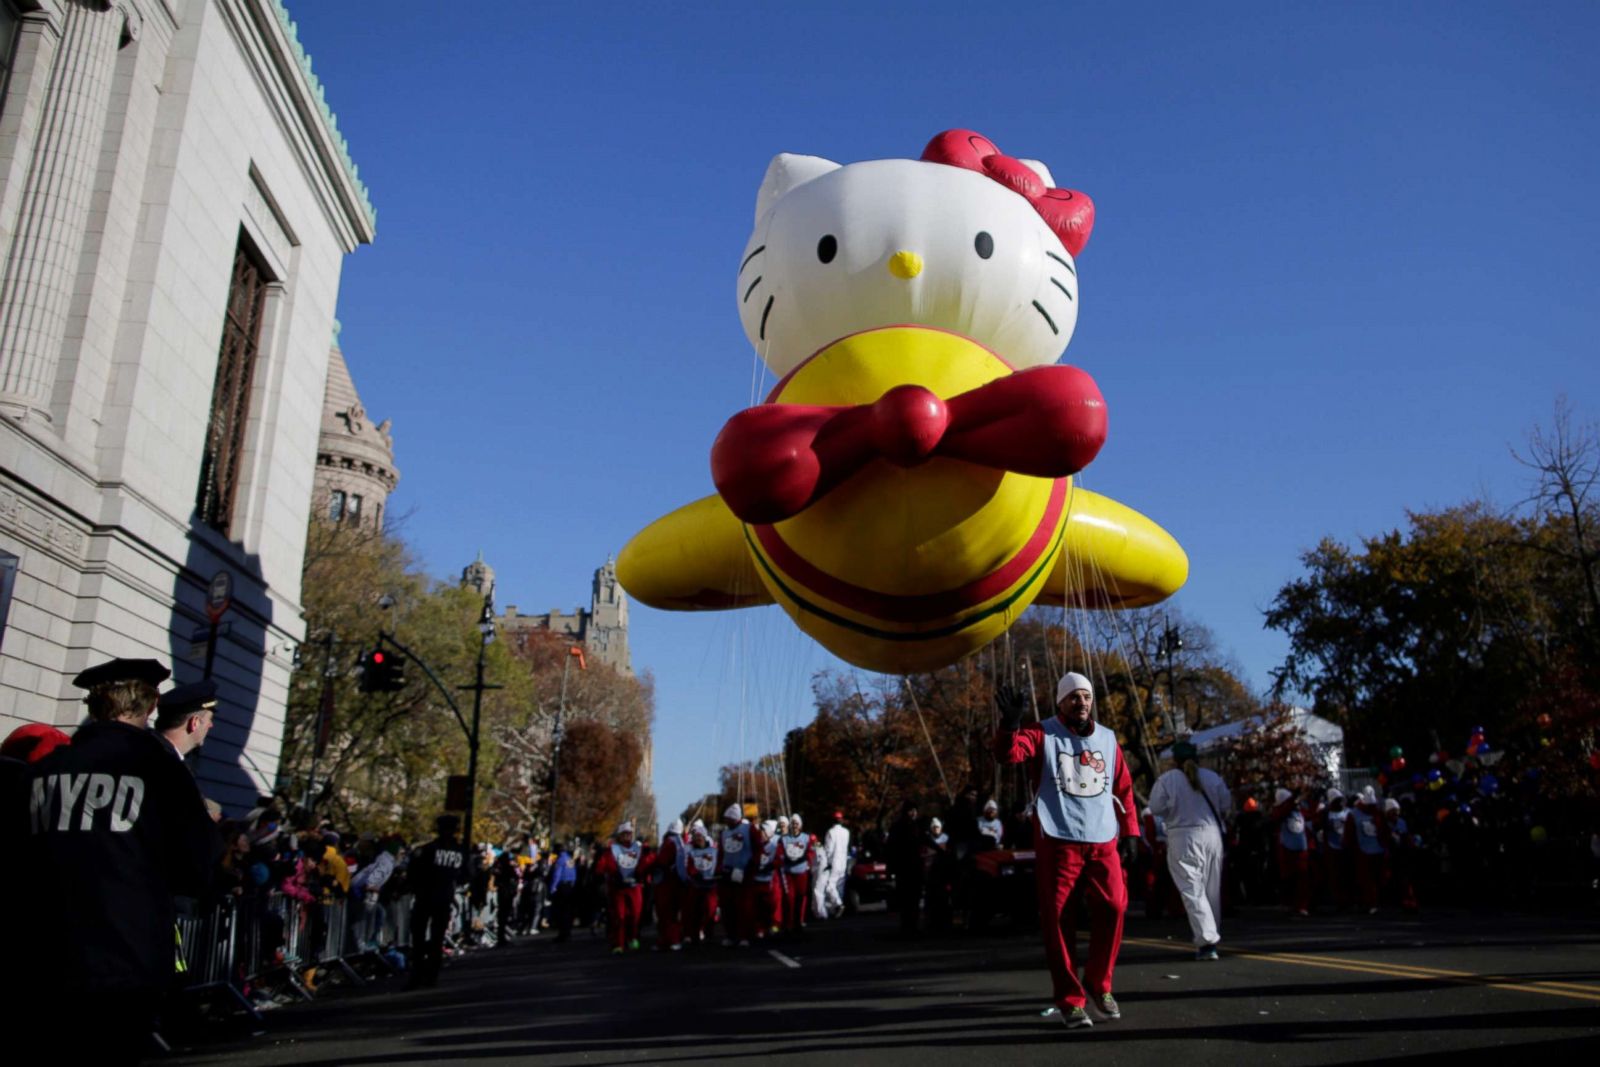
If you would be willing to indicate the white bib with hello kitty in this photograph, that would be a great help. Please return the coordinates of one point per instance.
(1074, 801)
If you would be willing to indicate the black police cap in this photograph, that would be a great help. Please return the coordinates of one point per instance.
(122, 670)
(188, 696)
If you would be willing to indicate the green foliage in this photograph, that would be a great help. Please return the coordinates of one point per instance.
(1419, 636)
(387, 754)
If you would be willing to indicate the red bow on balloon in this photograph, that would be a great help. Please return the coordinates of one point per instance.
(1070, 214)
(772, 461)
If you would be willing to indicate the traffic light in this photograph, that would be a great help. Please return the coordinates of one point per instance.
(382, 671)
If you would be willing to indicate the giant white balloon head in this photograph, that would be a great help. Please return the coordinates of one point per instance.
(841, 249)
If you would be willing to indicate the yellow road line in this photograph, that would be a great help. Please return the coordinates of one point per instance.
(1551, 988)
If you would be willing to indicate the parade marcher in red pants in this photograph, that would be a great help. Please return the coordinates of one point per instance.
(1335, 818)
(1083, 805)
(737, 847)
(620, 867)
(669, 888)
(799, 853)
(1294, 852)
(780, 884)
(763, 884)
(1401, 846)
(1369, 836)
(697, 867)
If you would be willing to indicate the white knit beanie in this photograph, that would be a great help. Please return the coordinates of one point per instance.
(1070, 681)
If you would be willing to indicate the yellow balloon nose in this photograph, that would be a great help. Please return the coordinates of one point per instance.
(905, 264)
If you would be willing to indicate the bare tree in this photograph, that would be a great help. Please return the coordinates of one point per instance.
(1566, 461)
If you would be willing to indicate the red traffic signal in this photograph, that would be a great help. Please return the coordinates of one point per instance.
(382, 672)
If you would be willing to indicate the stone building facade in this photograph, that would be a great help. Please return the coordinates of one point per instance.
(176, 204)
(355, 459)
(602, 627)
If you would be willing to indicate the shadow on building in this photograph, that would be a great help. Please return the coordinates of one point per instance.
(229, 768)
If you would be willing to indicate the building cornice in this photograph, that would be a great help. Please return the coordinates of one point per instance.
(280, 37)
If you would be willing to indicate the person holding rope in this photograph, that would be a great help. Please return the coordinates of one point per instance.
(799, 850)
(666, 877)
(737, 855)
(1195, 803)
(620, 866)
(1083, 806)
(697, 867)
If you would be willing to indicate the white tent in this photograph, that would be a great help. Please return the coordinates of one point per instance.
(1326, 739)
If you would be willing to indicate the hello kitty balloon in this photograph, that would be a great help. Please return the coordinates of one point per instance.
(905, 492)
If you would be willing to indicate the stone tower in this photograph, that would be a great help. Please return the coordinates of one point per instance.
(602, 627)
(478, 576)
(355, 459)
(608, 618)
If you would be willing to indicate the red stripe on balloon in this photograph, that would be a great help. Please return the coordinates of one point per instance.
(922, 606)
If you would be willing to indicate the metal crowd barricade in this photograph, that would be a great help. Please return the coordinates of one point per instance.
(398, 925)
(232, 947)
(209, 944)
(335, 938)
(295, 918)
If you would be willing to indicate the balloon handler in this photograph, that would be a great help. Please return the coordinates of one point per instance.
(1083, 805)
(619, 865)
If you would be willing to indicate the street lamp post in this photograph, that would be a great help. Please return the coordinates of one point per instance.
(486, 627)
(555, 747)
(1171, 642)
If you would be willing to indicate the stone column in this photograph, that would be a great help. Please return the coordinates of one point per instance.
(41, 265)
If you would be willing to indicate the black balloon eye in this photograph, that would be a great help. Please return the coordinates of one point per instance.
(984, 244)
(827, 248)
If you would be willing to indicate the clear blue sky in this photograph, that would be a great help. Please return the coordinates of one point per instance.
(1344, 258)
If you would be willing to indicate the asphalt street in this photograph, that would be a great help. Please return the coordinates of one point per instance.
(1332, 989)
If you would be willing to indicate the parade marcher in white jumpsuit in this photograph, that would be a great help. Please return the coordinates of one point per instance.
(1195, 803)
(829, 891)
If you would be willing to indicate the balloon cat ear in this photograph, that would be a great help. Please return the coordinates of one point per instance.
(785, 172)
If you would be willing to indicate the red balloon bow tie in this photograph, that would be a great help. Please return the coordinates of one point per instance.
(772, 461)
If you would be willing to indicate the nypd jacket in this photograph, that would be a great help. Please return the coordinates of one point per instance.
(118, 827)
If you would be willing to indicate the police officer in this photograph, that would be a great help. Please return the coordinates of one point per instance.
(436, 869)
(184, 716)
(117, 829)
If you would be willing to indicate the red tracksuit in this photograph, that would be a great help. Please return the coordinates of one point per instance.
(1371, 867)
(762, 887)
(1064, 868)
(700, 893)
(798, 852)
(620, 865)
(1294, 844)
(669, 891)
(737, 897)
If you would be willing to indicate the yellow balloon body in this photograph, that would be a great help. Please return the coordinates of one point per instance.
(909, 569)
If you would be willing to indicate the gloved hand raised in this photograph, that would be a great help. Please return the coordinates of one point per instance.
(1012, 702)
